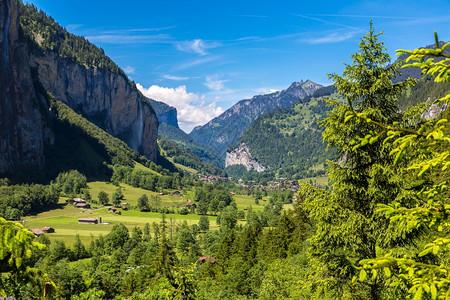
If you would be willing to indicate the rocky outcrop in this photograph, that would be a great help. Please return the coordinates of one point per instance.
(165, 113)
(227, 128)
(105, 98)
(242, 156)
(434, 110)
(22, 129)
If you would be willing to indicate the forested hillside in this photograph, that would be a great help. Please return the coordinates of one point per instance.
(185, 141)
(293, 136)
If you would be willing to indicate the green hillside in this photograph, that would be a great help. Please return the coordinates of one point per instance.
(179, 155)
(181, 138)
(289, 141)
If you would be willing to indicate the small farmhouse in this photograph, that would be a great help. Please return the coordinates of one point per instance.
(48, 229)
(82, 205)
(203, 259)
(88, 221)
(190, 204)
(37, 231)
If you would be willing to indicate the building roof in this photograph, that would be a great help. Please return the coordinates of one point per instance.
(37, 231)
(47, 228)
(87, 220)
(207, 258)
(189, 204)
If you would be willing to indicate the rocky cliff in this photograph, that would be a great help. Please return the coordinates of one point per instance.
(227, 128)
(79, 74)
(22, 129)
(241, 156)
(105, 98)
(165, 113)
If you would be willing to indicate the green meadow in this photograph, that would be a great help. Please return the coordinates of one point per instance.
(65, 218)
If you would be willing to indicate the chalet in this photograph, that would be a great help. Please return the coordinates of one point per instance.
(124, 207)
(37, 231)
(232, 193)
(203, 259)
(82, 205)
(112, 209)
(245, 208)
(48, 229)
(75, 201)
(117, 212)
(176, 193)
(88, 221)
(190, 204)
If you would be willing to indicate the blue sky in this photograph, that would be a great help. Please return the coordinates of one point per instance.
(204, 56)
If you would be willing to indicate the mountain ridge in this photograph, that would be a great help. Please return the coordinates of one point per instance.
(227, 128)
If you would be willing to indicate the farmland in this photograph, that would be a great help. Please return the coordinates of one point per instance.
(64, 219)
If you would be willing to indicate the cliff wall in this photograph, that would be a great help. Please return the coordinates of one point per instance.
(242, 156)
(105, 98)
(22, 128)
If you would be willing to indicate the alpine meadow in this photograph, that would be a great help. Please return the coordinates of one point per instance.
(136, 164)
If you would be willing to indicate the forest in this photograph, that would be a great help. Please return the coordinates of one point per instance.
(380, 232)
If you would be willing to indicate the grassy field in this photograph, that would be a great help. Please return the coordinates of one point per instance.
(132, 194)
(64, 219)
(323, 180)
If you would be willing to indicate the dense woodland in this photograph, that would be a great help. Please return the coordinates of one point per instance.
(380, 232)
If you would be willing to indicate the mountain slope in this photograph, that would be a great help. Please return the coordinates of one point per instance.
(289, 141)
(165, 113)
(227, 128)
(79, 74)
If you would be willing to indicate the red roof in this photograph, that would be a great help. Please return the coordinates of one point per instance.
(37, 231)
(206, 258)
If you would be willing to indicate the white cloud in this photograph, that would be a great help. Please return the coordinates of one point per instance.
(129, 70)
(177, 78)
(265, 90)
(214, 83)
(196, 46)
(191, 107)
(333, 38)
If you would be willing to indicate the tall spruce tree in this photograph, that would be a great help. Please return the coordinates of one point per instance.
(347, 228)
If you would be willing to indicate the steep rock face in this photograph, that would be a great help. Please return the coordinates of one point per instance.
(22, 132)
(227, 128)
(103, 97)
(165, 113)
(242, 156)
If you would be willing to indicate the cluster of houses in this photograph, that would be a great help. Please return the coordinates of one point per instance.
(38, 232)
(211, 178)
(79, 203)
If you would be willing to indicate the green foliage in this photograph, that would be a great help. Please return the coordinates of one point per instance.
(16, 247)
(203, 223)
(44, 34)
(21, 200)
(184, 157)
(182, 139)
(293, 137)
(71, 182)
(143, 204)
(348, 227)
(118, 152)
(427, 273)
(103, 198)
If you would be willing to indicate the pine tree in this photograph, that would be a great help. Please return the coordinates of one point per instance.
(348, 228)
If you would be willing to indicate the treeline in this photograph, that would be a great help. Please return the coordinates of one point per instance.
(186, 158)
(144, 179)
(25, 199)
(162, 260)
(187, 142)
(44, 34)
